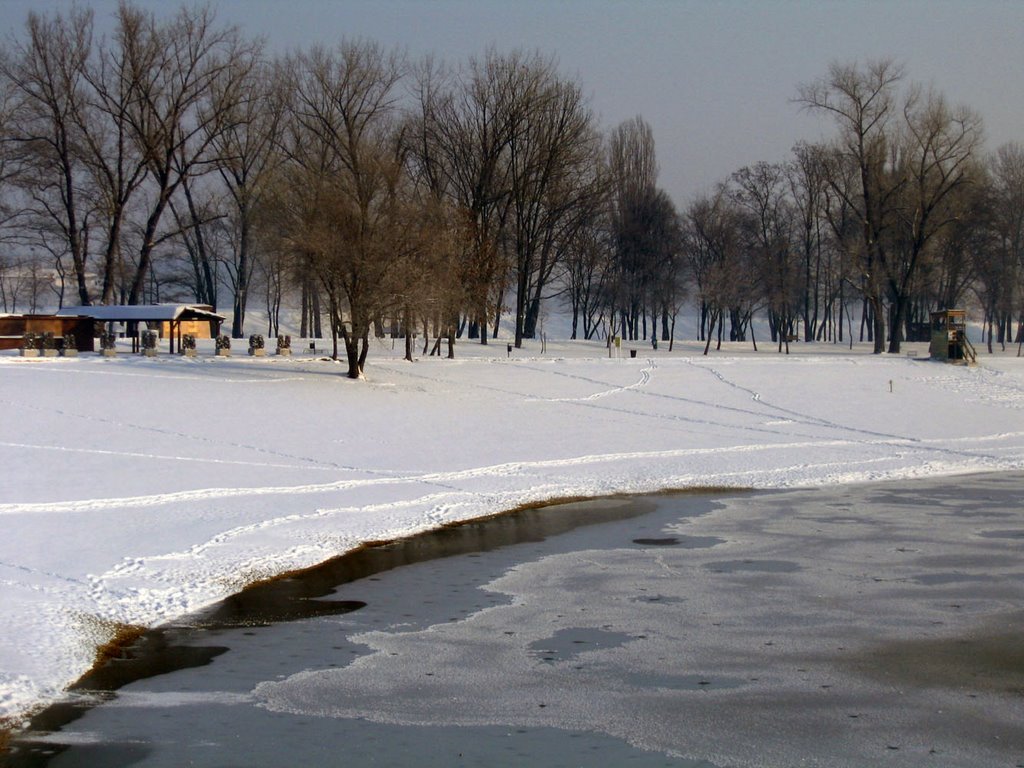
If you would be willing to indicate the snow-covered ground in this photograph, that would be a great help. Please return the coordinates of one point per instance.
(134, 490)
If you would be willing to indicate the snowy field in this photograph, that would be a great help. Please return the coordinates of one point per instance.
(134, 490)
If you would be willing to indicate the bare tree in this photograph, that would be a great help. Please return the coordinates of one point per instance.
(863, 103)
(201, 229)
(806, 178)
(471, 125)
(643, 226)
(116, 161)
(760, 191)
(189, 77)
(346, 158)
(552, 156)
(439, 271)
(934, 164)
(245, 156)
(512, 144)
(712, 247)
(12, 203)
(999, 258)
(586, 274)
(46, 73)
(631, 159)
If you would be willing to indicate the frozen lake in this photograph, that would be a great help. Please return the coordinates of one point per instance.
(851, 626)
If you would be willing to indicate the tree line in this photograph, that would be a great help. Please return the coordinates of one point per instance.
(177, 161)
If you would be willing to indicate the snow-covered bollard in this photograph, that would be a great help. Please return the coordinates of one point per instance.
(256, 345)
(149, 343)
(223, 345)
(108, 344)
(284, 344)
(29, 346)
(69, 345)
(188, 345)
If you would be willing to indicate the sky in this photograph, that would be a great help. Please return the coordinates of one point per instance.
(716, 80)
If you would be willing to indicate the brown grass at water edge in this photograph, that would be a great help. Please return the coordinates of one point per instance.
(693, 490)
(556, 501)
(118, 646)
(14, 725)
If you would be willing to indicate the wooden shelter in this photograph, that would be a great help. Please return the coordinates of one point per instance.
(168, 320)
(949, 340)
(14, 327)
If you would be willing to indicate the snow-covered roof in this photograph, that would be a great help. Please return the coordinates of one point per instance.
(142, 312)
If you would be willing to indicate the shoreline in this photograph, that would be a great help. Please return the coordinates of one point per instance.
(773, 654)
(127, 657)
(104, 676)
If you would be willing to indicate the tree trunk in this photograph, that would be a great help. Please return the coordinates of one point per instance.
(148, 244)
(241, 276)
(407, 322)
(899, 311)
(878, 318)
(711, 331)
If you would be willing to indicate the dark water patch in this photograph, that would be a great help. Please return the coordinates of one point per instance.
(337, 743)
(105, 755)
(985, 513)
(658, 599)
(272, 603)
(669, 541)
(753, 566)
(1017, 533)
(569, 643)
(472, 537)
(168, 649)
(991, 663)
(942, 579)
(685, 542)
(990, 561)
(962, 506)
(156, 652)
(684, 682)
(838, 520)
(914, 498)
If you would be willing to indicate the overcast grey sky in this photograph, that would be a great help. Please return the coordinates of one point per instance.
(714, 79)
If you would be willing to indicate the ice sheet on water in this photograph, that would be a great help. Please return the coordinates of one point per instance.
(556, 656)
(670, 650)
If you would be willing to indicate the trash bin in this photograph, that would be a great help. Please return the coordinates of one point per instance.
(632, 353)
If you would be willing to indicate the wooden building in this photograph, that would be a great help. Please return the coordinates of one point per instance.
(949, 340)
(170, 321)
(14, 327)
